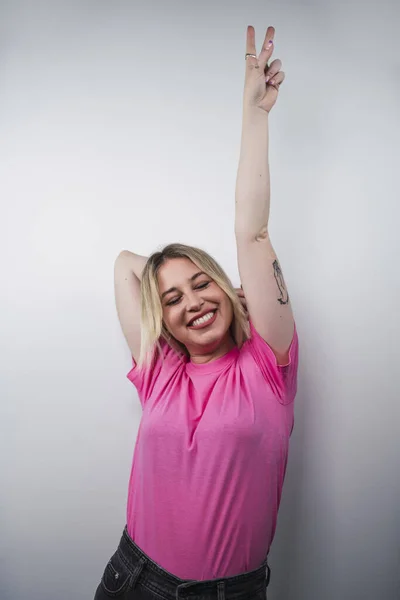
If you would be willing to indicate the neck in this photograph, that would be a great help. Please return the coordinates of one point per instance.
(200, 357)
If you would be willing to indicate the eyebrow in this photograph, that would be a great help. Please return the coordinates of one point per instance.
(175, 289)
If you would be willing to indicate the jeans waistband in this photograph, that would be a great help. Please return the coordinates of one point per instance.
(157, 579)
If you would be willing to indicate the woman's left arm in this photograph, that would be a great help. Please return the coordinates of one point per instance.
(266, 295)
(253, 189)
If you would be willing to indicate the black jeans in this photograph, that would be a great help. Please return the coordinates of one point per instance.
(131, 575)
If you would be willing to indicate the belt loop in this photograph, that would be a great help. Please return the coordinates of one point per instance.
(135, 575)
(221, 590)
(268, 575)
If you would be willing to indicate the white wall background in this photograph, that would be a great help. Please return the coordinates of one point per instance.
(120, 129)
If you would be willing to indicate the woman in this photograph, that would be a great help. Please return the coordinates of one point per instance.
(217, 391)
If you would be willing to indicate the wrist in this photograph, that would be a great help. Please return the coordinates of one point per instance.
(254, 113)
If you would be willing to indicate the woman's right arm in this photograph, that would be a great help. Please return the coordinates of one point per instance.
(136, 262)
(128, 268)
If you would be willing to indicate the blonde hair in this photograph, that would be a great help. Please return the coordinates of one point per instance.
(152, 326)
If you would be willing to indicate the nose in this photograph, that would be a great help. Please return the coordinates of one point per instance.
(193, 301)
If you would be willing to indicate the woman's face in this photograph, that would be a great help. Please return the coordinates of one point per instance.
(192, 295)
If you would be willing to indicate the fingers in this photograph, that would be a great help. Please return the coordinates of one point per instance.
(276, 80)
(267, 48)
(242, 298)
(251, 40)
(273, 68)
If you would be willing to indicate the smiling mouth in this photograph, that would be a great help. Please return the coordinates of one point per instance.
(203, 323)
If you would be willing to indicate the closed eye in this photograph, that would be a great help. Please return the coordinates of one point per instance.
(198, 287)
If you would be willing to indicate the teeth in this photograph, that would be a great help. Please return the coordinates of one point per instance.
(206, 317)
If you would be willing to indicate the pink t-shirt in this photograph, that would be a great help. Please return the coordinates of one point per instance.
(210, 458)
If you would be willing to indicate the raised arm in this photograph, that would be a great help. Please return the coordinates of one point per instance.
(267, 298)
(128, 268)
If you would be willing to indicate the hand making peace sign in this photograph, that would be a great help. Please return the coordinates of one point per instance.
(262, 81)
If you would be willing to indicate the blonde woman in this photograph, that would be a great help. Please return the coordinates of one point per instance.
(217, 388)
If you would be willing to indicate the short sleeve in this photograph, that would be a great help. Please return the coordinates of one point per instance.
(281, 378)
(147, 378)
